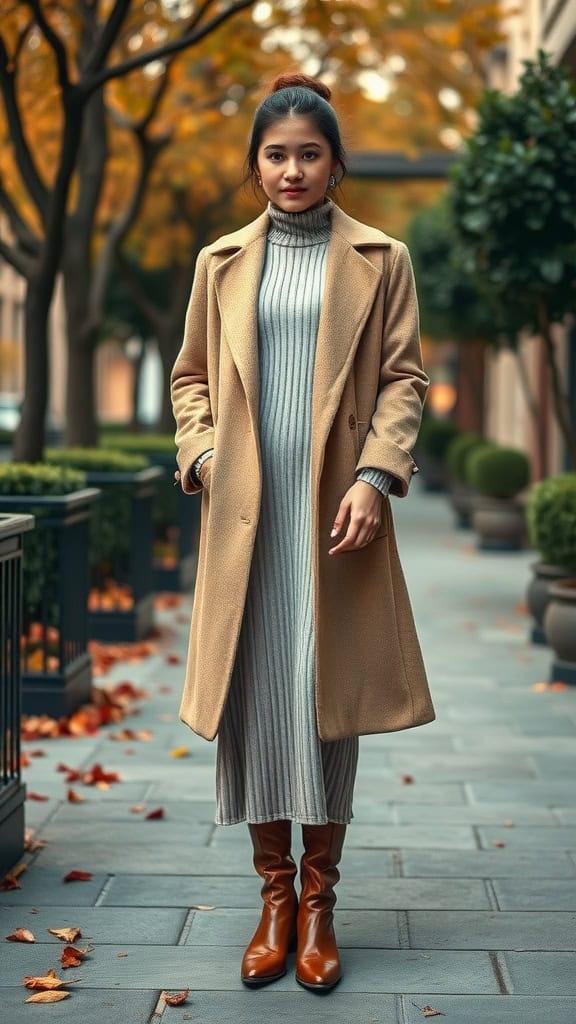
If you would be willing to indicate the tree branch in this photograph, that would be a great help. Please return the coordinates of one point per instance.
(145, 306)
(24, 160)
(27, 240)
(54, 41)
(15, 259)
(188, 38)
(107, 37)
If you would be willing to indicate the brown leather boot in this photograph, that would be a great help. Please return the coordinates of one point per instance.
(265, 957)
(317, 958)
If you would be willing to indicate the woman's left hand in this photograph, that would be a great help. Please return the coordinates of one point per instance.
(363, 504)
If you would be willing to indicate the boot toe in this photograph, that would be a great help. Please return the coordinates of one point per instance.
(318, 974)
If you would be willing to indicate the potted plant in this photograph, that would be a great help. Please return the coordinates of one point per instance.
(56, 662)
(460, 493)
(176, 518)
(551, 513)
(121, 599)
(433, 439)
(498, 475)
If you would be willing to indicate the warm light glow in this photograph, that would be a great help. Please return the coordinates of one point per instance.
(441, 397)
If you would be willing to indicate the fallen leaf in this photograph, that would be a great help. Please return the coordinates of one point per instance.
(24, 760)
(31, 844)
(47, 997)
(121, 954)
(177, 999)
(153, 815)
(30, 795)
(508, 823)
(75, 798)
(37, 753)
(96, 775)
(428, 1011)
(557, 685)
(72, 956)
(407, 779)
(539, 686)
(165, 689)
(21, 935)
(49, 980)
(174, 659)
(66, 934)
(77, 876)
(202, 906)
(137, 808)
(498, 842)
(180, 752)
(10, 881)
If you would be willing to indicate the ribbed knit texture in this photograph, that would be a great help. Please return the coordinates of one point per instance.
(271, 764)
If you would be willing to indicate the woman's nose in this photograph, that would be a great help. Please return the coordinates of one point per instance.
(293, 170)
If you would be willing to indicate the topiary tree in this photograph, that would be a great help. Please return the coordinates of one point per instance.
(512, 203)
(457, 453)
(497, 472)
(551, 513)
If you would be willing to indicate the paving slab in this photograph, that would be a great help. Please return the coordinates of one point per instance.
(449, 929)
(535, 894)
(102, 925)
(145, 858)
(509, 1009)
(562, 837)
(295, 1007)
(542, 974)
(476, 814)
(218, 968)
(182, 891)
(367, 929)
(547, 794)
(91, 1007)
(496, 863)
(45, 887)
(134, 829)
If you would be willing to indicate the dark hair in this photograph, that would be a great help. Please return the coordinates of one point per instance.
(302, 96)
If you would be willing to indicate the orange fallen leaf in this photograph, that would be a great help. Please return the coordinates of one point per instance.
(21, 935)
(31, 844)
(37, 753)
(180, 752)
(121, 954)
(77, 876)
(10, 881)
(75, 798)
(202, 906)
(498, 842)
(49, 980)
(177, 999)
(24, 760)
(30, 795)
(558, 685)
(66, 934)
(153, 815)
(137, 808)
(72, 956)
(47, 997)
(429, 1011)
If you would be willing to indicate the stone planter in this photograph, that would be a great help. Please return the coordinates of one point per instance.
(538, 595)
(500, 523)
(12, 789)
(560, 630)
(462, 500)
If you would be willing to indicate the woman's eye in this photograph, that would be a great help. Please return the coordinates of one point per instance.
(312, 155)
(275, 157)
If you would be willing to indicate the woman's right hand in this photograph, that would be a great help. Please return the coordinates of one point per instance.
(205, 473)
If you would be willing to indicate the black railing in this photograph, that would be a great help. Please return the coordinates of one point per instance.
(128, 614)
(176, 530)
(12, 790)
(56, 664)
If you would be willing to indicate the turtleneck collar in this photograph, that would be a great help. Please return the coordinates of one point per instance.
(308, 227)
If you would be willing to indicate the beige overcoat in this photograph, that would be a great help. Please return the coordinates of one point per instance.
(368, 390)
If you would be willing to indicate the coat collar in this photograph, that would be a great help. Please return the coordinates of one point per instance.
(352, 282)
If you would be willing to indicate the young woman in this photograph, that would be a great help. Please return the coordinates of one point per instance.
(298, 394)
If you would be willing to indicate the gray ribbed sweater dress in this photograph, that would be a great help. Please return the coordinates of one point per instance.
(271, 764)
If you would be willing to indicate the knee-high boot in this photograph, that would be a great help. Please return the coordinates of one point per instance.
(317, 958)
(275, 936)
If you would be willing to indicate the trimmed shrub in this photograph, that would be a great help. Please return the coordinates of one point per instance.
(552, 519)
(139, 443)
(96, 460)
(435, 436)
(457, 453)
(498, 472)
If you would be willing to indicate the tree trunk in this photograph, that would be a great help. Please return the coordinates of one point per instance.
(29, 436)
(81, 420)
(168, 346)
(540, 438)
(562, 410)
(137, 365)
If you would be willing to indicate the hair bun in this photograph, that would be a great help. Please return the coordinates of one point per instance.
(299, 81)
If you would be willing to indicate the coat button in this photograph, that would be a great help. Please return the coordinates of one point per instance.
(351, 421)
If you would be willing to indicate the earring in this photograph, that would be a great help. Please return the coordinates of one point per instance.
(259, 180)
(332, 181)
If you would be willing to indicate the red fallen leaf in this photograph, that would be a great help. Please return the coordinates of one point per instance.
(158, 813)
(37, 753)
(21, 935)
(30, 795)
(24, 760)
(407, 779)
(96, 775)
(64, 768)
(66, 934)
(177, 999)
(72, 956)
(174, 659)
(498, 842)
(557, 685)
(77, 876)
(75, 798)
(10, 881)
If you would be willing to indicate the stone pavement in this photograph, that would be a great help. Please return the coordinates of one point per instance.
(458, 889)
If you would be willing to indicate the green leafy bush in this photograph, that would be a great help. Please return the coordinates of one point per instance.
(161, 450)
(111, 523)
(40, 561)
(552, 519)
(457, 453)
(498, 472)
(435, 436)
(145, 444)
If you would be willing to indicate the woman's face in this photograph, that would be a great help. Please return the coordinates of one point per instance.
(295, 163)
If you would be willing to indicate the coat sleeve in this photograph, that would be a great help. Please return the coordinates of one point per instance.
(189, 387)
(402, 384)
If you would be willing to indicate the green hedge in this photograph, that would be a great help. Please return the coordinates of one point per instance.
(497, 472)
(552, 519)
(435, 436)
(111, 522)
(40, 563)
(165, 495)
(140, 443)
(457, 454)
